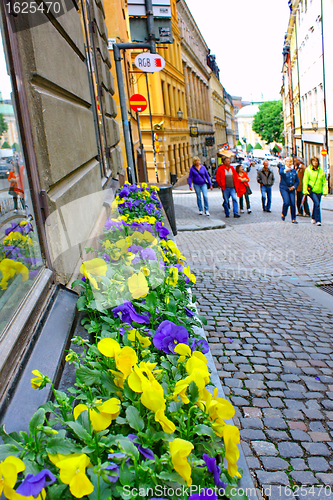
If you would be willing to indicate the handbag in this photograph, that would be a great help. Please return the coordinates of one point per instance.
(206, 182)
(11, 191)
(248, 190)
(311, 187)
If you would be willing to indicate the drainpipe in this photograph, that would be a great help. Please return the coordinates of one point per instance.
(299, 87)
(324, 85)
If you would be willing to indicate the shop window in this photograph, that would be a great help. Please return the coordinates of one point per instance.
(20, 254)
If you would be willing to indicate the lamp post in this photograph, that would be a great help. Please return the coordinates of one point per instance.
(180, 114)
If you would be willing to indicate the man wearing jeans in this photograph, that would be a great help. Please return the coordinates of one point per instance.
(227, 179)
(265, 178)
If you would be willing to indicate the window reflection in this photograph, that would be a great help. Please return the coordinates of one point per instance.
(20, 256)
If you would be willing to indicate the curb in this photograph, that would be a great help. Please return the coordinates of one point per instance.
(213, 224)
(246, 482)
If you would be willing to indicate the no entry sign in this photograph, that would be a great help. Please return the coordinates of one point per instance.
(149, 63)
(138, 102)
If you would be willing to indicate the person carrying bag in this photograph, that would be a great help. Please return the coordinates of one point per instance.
(200, 179)
(315, 185)
(243, 189)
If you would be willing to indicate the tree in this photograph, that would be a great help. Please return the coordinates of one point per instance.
(16, 147)
(258, 146)
(239, 143)
(249, 147)
(268, 122)
(5, 145)
(3, 125)
(276, 149)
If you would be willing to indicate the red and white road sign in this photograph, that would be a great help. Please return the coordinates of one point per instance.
(323, 152)
(149, 63)
(138, 102)
(225, 146)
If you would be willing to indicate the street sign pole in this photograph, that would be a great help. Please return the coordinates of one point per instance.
(142, 149)
(152, 130)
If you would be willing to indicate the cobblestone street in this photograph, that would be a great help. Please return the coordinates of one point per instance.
(270, 331)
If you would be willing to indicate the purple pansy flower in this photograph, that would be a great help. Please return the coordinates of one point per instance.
(146, 452)
(124, 193)
(214, 469)
(14, 226)
(168, 335)
(162, 231)
(129, 314)
(115, 469)
(157, 213)
(150, 207)
(133, 188)
(117, 454)
(112, 224)
(136, 260)
(200, 345)
(205, 494)
(188, 311)
(33, 485)
(148, 254)
(135, 248)
(106, 257)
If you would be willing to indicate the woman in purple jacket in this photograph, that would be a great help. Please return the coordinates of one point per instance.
(200, 179)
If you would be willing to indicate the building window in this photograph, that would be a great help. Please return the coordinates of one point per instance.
(20, 253)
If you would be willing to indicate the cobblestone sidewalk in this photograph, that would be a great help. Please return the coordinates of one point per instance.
(272, 345)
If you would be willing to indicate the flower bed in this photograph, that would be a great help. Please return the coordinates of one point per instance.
(142, 419)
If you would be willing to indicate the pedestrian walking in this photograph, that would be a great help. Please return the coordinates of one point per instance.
(301, 203)
(227, 179)
(243, 190)
(288, 184)
(200, 179)
(315, 185)
(13, 179)
(265, 178)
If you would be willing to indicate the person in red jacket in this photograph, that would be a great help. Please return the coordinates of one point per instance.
(227, 179)
(243, 189)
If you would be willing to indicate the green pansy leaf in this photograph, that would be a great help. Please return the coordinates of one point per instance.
(57, 491)
(172, 477)
(194, 298)
(126, 477)
(121, 421)
(60, 445)
(12, 438)
(79, 283)
(81, 303)
(177, 293)
(8, 449)
(193, 392)
(175, 406)
(80, 431)
(87, 376)
(127, 446)
(134, 419)
(204, 430)
(36, 420)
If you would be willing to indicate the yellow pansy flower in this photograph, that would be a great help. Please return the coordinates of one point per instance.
(145, 270)
(179, 450)
(109, 347)
(9, 470)
(102, 416)
(138, 285)
(72, 472)
(16, 236)
(134, 335)
(190, 275)
(94, 267)
(173, 247)
(231, 438)
(173, 276)
(125, 360)
(36, 382)
(9, 268)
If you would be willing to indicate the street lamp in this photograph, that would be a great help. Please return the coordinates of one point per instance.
(314, 124)
(180, 114)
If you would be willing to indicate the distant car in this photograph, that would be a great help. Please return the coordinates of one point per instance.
(276, 162)
(4, 170)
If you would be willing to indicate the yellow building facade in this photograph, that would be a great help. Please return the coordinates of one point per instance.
(167, 99)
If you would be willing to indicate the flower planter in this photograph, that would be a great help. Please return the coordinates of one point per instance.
(143, 417)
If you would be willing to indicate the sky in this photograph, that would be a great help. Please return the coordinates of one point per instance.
(247, 38)
(5, 85)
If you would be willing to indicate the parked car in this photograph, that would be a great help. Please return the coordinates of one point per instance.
(4, 170)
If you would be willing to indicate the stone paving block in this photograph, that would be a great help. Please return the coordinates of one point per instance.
(264, 448)
(290, 450)
(277, 436)
(304, 477)
(325, 478)
(316, 449)
(275, 423)
(318, 464)
(252, 412)
(319, 437)
(300, 436)
(274, 463)
(260, 403)
(249, 434)
(251, 423)
(272, 477)
(272, 492)
(298, 464)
